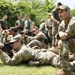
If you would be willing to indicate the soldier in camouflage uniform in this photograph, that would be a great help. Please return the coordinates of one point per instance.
(56, 21)
(39, 39)
(24, 53)
(66, 33)
(40, 36)
(49, 24)
(42, 26)
(8, 34)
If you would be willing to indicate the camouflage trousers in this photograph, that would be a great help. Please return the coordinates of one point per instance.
(47, 57)
(54, 32)
(65, 47)
(37, 44)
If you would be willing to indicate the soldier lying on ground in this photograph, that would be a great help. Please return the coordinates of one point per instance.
(24, 53)
(39, 36)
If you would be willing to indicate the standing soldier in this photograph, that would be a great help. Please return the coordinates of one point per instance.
(66, 43)
(49, 27)
(56, 22)
(19, 24)
(43, 29)
(42, 26)
(32, 26)
(3, 23)
(27, 23)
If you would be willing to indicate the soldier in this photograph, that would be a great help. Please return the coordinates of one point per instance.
(5, 37)
(13, 31)
(19, 24)
(39, 35)
(56, 21)
(27, 23)
(8, 34)
(32, 26)
(49, 24)
(24, 53)
(3, 23)
(34, 56)
(42, 26)
(66, 41)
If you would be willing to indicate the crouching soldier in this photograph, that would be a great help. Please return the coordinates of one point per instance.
(66, 43)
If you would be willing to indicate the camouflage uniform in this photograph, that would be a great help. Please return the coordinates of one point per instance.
(49, 28)
(54, 26)
(35, 44)
(67, 45)
(42, 38)
(5, 37)
(42, 27)
(25, 53)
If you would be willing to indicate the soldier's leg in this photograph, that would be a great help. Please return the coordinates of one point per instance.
(64, 58)
(55, 61)
(54, 32)
(53, 41)
(72, 66)
(35, 43)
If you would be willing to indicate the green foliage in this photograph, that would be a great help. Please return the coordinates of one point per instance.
(73, 12)
(7, 7)
(50, 4)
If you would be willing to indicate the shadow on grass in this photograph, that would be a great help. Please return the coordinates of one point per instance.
(25, 64)
(2, 64)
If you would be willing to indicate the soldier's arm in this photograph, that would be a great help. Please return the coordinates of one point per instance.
(53, 18)
(71, 30)
(17, 24)
(1, 28)
(63, 35)
(17, 58)
(38, 36)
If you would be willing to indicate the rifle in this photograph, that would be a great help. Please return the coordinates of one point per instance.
(7, 49)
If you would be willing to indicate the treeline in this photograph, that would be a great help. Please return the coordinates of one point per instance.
(36, 9)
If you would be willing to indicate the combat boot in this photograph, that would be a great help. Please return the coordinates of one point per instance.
(34, 63)
(61, 72)
(72, 66)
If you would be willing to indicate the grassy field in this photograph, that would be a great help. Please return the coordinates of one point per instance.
(23, 69)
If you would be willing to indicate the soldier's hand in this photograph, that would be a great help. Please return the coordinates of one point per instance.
(17, 26)
(63, 35)
(58, 22)
(0, 51)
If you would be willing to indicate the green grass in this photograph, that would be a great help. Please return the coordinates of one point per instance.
(23, 69)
